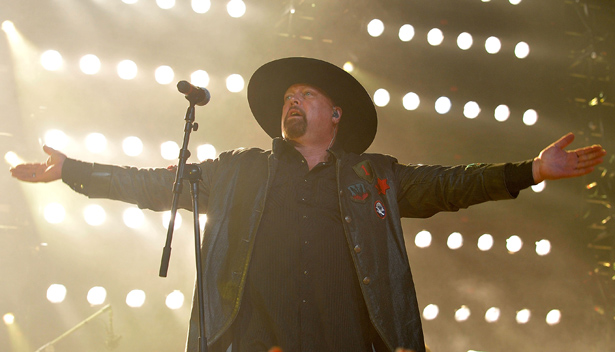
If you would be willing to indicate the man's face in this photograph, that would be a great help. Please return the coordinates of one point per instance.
(307, 112)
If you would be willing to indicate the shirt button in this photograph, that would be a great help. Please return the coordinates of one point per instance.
(357, 249)
(305, 272)
(305, 216)
(304, 301)
(366, 280)
(348, 219)
(306, 242)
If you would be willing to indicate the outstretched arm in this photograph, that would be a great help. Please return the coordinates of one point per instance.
(50, 170)
(554, 162)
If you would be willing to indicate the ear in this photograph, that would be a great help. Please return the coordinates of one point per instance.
(337, 114)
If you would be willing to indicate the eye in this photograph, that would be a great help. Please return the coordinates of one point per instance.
(308, 93)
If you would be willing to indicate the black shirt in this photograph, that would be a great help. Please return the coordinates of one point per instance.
(302, 291)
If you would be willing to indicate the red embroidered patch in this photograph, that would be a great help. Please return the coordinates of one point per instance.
(382, 186)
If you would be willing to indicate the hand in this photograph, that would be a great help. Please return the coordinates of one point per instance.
(554, 162)
(48, 171)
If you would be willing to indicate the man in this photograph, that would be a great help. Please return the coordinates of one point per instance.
(303, 245)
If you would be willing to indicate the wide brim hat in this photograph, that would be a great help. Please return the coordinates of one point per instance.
(269, 83)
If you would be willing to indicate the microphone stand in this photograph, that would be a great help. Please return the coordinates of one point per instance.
(191, 173)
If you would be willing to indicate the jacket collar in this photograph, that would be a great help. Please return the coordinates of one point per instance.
(281, 146)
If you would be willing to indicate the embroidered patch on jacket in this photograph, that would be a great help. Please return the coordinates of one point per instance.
(380, 209)
(364, 171)
(382, 186)
(358, 192)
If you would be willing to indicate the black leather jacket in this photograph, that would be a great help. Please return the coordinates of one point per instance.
(375, 191)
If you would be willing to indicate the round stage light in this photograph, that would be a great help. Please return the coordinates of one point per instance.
(455, 240)
(201, 6)
(411, 101)
(431, 312)
(381, 97)
(133, 217)
(236, 8)
(51, 60)
(132, 146)
(443, 105)
(56, 293)
(54, 213)
(127, 69)
(435, 37)
(199, 78)
(135, 298)
(89, 64)
(485, 242)
(235, 83)
(375, 27)
(205, 151)
(97, 295)
(493, 45)
(164, 75)
(406, 33)
(423, 239)
(96, 143)
(464, 41)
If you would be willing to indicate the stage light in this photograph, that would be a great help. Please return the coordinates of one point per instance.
(130, 2)
(51, 60)
(96, 143)
(471, 110)
(462, 314)
(56, 139)
(523, 316)
(236, 8)
(8, 318)
(348, 67)
(97, 295)
(493, 45)
(443, 105)
(235, 83)
(135, 298)
(430, 312)
(199, 78)
(201, 6)
(455, 240)
(381, 97)
(485, 242)
(514, 244)
(56, 293)
(435, 37)
(165, 4)
(166, 217)
(133, 217)
(515, 2)
(539, 187)
(530, 117)
(54, 213)
(132, 146)
(406, 33)
(375, 27)
(205, 151)
(169, 150)
(13, 159)
(423, 239)
(94, 215)
(127, 69)
(554, 317)
(492, 315)
(175, 300)
(411, 101)
(89, 64)
(522, 50)
(464, 41)
(543, 247)
(502, 113)
(164, 74)
(9, 28)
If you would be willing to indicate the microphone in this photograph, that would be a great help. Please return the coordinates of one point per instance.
(198, 95)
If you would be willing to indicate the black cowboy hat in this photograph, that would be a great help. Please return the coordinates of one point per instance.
(268, 84)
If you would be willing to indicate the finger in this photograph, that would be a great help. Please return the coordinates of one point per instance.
(48, 150)
(564, 141)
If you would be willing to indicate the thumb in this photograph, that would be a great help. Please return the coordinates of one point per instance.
(48, 150)
(564, 141)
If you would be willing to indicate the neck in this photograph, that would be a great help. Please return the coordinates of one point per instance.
(313, 154)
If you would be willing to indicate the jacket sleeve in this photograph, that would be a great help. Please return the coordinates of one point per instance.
(147, 188)
(425, 190)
